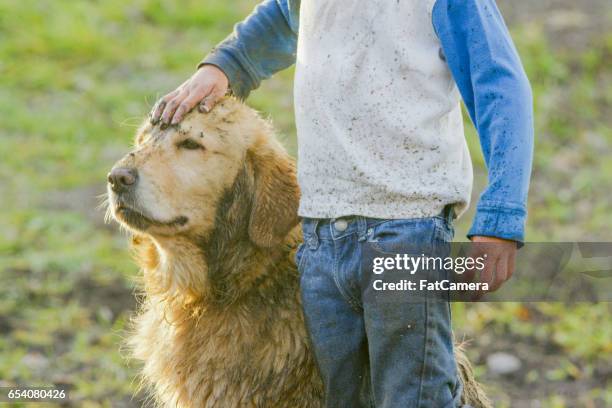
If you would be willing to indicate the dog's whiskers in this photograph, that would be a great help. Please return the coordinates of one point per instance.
(104, 202)
(108, 216)
(133, 122)
(104, 205)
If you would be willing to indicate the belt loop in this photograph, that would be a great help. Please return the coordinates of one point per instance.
(362, 228)
(449, 213)
(313, 240)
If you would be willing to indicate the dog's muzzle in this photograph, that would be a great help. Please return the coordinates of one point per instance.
(122, 179)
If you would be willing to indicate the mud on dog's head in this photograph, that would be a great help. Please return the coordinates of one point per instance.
(177, 180)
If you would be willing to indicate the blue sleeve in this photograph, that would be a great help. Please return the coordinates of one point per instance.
(496, 92)
(264, 43)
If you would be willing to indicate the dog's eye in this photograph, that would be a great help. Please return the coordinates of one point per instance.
(189, 144)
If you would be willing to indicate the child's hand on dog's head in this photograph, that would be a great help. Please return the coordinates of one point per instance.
(204, 88)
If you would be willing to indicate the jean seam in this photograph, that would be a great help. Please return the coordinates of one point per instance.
(335, 272)
(300, 265)
(426, 352)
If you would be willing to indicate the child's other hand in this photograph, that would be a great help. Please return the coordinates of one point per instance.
(205, 87)
(500, 257)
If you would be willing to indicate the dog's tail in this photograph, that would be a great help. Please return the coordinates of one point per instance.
(473, 394)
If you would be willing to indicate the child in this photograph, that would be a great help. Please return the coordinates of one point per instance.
(382, 158)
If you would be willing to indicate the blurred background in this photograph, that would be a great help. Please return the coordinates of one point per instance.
(77, 77)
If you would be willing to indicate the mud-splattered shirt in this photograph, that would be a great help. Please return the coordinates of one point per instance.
(377, 91)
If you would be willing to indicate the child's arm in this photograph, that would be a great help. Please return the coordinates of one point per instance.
(260, 46)
(497, 94)
(264, 43)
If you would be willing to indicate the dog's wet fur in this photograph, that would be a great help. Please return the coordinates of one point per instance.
(214, 225)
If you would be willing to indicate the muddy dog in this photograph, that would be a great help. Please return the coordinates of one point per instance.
(212, 209)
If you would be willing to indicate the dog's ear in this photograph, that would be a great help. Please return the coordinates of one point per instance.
(276, 194)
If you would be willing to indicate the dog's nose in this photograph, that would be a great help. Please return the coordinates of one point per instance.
(122, 179)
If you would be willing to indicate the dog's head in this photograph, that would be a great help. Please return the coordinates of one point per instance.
(219, 167)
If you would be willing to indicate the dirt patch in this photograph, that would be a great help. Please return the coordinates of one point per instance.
(539, 376)
(113, 297)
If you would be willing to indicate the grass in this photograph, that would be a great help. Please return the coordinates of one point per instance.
(77, 77)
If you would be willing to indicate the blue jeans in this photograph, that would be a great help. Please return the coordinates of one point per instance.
(373, 353)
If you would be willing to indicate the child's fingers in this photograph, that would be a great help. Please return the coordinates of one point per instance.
(160, 105)
(210, 100)
(186, 105)
(487, 275)
(172, 106)
(203, 106)
(501, 268)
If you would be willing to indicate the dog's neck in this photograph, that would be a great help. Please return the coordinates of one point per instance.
(179, 271)
(216, 274)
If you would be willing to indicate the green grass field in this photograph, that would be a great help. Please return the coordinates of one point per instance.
(77, 77)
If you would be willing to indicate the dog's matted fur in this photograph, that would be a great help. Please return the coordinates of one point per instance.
(212, 207)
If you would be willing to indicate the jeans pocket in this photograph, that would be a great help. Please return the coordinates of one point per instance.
(417, 234)
(391, 232)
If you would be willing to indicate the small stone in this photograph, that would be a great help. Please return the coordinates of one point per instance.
(35, 362)
(503, 363)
